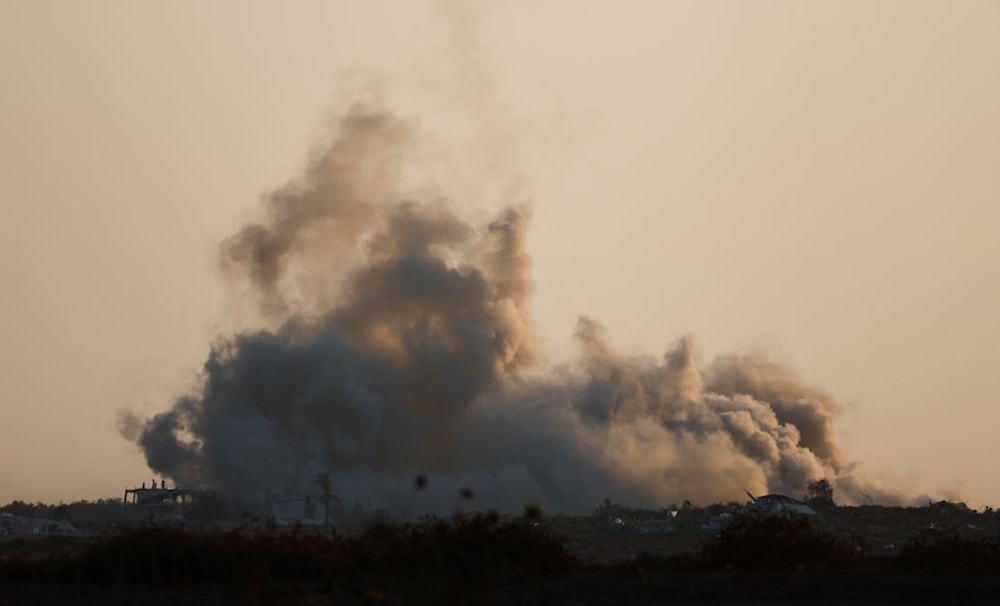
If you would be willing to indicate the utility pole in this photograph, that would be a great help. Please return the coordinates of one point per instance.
(323, 480)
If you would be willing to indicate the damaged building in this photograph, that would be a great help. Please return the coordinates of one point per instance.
(159, 501)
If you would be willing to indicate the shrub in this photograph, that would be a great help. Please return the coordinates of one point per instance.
(758, 540)
(939, 551)
(467, 545)
(471, 546)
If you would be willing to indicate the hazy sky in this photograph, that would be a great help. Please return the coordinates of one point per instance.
(820, 179)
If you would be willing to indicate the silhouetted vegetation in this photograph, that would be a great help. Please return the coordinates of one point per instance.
(935, 551)
(468, 546)
(820, 491)
(848, 552)
(761, 541)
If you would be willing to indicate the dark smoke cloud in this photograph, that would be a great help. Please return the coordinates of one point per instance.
(400, 343)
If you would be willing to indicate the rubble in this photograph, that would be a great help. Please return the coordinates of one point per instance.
(780, 504)
(15, 525)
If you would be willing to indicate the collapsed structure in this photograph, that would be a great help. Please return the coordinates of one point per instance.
(13, 525)
(780, 504)
(159, 501)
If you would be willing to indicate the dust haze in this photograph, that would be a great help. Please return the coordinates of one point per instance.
(394, 339)
(399, 342)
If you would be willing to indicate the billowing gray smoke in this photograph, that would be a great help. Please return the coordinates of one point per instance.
(400, 344)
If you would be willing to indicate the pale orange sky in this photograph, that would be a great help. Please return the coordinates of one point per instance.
(818, 178)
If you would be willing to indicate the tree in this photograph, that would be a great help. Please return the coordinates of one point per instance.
(820, 490)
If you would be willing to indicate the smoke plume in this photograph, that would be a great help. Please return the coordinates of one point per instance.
(399, 342)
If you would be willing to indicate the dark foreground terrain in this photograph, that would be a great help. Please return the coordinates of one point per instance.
(486, 559)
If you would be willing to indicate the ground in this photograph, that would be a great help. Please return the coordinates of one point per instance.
(939, 553)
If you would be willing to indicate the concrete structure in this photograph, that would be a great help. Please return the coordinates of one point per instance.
(160, 501)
